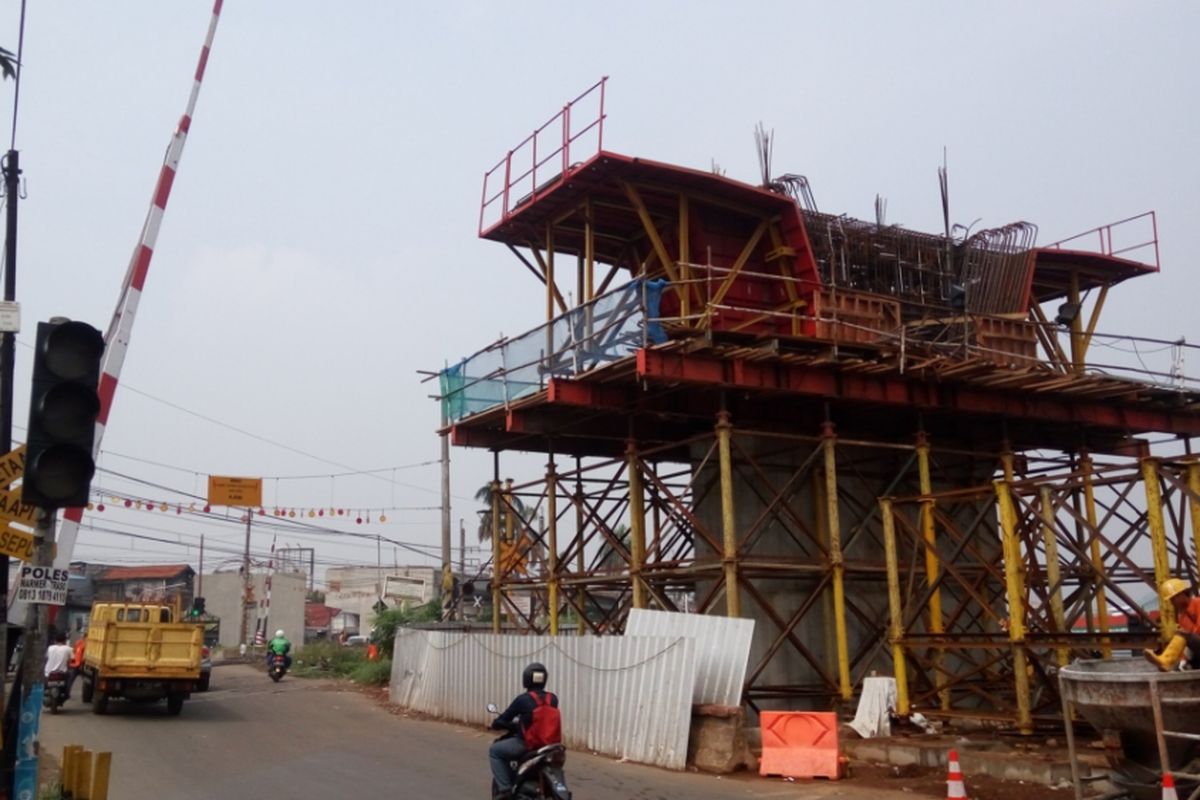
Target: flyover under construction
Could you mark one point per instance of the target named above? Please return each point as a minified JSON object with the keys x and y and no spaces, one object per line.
{"x":893,"y":449}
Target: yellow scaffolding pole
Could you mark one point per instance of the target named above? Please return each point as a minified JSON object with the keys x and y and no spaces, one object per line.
{"x":829,"y":442}
{"x":1053,"y":573}
{"x":497,"y":596}
{"x":1089,"y":499}
{"x":829,"y":646}
{"x":580,"y":564}
{"x":1193,"y":478}
{"x":1158,"y":543}
{"x":552,"y":544}
{"x":733,"y":593}
{"x":896,"y":611}
{"x":637,"y":526}
{"x":1013,"y":579}
{"x":932,"y":564}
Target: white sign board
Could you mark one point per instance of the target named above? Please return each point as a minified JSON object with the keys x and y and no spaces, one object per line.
{"x":10,"y":317}
{"x":404,"y":587}
{"x":45,"y":585}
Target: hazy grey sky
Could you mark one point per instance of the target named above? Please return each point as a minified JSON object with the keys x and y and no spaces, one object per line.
{"x":320,"y":245}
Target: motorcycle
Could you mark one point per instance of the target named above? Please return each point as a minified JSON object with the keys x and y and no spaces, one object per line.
{"x":55,"y":693}
{"x":277,"y":667}
{"x":539,"y":774}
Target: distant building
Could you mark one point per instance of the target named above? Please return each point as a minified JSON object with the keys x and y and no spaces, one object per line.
{"x":322,"y":622}
{"x":166,"y":583}
{"x":359,"y":591}
{"x":88,"y":583}
{"x":224,"y":594}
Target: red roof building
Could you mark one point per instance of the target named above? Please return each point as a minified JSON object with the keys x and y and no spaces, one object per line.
{"x":155,"y":583}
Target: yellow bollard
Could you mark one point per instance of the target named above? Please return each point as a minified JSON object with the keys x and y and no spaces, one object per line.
{"x":100,"y":776}
{"x":67,"y":774}
{"x":83,"y":779}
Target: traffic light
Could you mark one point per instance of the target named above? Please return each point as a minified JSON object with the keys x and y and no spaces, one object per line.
{"x":63,"y":407}
{"x":197,"y":607}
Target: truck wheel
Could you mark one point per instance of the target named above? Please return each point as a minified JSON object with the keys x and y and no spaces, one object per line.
{"x":174,"y":704}
{"x":100,"y":703}
{"x":88,"y":690}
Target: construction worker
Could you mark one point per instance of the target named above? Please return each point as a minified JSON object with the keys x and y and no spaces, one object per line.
{"x":1185,"y":644}
{"x":77,"y":660}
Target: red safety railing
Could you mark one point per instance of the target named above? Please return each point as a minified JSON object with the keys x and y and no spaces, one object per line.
{"x":528,"y":170}
{"x":1102,"y":239}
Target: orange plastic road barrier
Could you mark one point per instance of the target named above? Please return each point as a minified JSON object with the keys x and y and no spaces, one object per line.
{"x":955,"y":788}
{"x":800,"y":744}
{"x":1169,"y":792}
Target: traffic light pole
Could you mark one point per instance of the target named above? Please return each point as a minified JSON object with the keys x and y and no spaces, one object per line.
{"x":33,"y":665}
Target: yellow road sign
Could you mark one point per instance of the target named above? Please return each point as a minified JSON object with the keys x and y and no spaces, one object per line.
{"x":13,"y":510}
{"x":226,"y":491}
{"x":16,"y":543}
{"x":12,"y":466}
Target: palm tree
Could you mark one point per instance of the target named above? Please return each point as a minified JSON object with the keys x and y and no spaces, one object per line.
{"x":8,"y":64}
{"x":484,"y":496}
{"x":610,"y":557}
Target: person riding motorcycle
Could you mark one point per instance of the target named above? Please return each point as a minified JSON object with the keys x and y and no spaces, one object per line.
{"x":517,"y":718}
{"x":279,"y":646}
{"x":1185,"y":644}
{"x":58,"y":655}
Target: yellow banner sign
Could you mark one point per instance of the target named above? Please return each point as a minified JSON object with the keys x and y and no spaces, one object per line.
{"x":12,"y":466}
{"x":225,"y":491}
{"x":16,"y":543}
{"x":13,"y":510}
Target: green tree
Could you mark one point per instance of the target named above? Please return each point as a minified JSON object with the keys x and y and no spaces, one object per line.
{"x":389,"y":620}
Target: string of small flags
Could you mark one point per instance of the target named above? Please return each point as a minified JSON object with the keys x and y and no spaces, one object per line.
{"x":359,"y":516}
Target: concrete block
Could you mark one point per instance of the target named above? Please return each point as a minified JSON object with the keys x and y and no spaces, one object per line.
{"x":717,"y":741}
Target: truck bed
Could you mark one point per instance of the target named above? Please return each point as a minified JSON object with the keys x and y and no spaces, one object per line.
{"x":145,"y":649}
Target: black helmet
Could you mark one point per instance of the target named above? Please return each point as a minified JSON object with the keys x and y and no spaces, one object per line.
{"x":534,"y":676}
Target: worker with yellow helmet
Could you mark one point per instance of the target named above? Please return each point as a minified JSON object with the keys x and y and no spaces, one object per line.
{"x":1185,"y":644}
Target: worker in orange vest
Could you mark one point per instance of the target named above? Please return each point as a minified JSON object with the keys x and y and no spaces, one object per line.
{"x":1185,"y":644}
{"x":76,"y":663}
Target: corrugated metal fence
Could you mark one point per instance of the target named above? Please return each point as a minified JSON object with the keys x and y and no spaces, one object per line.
{"x":627,"y":696}
{"x":722,"y":649}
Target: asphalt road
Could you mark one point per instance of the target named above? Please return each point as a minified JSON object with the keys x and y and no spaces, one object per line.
{"x":300,"y":739}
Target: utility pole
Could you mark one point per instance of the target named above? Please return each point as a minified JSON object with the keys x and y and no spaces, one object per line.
{"x":246,"y":584}
{"x":33,"y":663}
{"x":447,"y":568}
{"x":12,"y":191}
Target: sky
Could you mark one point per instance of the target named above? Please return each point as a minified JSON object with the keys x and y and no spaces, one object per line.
{"x":320,"y":246}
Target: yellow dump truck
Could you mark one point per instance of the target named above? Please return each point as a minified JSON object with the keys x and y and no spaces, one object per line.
{"x":138,"y":651}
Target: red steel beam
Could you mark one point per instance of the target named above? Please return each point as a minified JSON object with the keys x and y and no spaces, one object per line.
{"x":586,"y":395}
{"x":896,"y":391}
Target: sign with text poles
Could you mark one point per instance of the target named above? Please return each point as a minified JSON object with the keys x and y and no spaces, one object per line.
{"x":45,"y":585}
{"x":227,"y":491}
